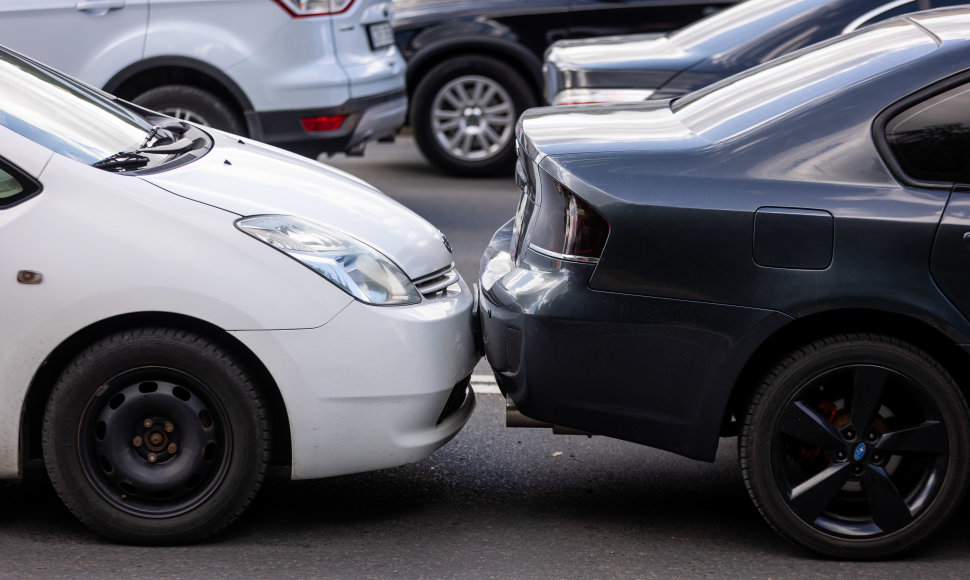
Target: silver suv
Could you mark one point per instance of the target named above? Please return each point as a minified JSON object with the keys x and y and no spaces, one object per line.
{"x":310,"y":76}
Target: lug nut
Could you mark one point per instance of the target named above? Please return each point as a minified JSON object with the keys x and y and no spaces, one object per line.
{"x":152,"y":458}
{"x":850,"y":434}
{"x":872,"y":436}
{"x":172,"y":448}
{"x":857,"y":470}
{"x":137,"y":442}
{"x":840,"y":455}
{"x":876,"y":457}
{"x":169,"y":427}
{"x":147,"y":423}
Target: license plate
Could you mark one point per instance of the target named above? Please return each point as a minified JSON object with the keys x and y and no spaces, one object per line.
{"x":380,"y":34}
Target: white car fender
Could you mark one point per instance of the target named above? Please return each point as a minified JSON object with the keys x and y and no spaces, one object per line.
{"x":211,"y":271}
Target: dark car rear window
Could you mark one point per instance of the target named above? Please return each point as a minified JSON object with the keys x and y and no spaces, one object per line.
{"x":931,"y":140}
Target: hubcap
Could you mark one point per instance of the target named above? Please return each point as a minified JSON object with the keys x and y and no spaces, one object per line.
{"x":153,"y":443}
{"x":860,"y":451}
{"x":472,"y":118}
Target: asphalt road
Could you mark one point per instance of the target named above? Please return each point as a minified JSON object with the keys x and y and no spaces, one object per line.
{"x":493,"y":503}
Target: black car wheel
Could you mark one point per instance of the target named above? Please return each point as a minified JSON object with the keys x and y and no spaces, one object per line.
{"x":855,"y":446}
{"x":463,"y":114}
{"x":192,"y":104}
{"x":156,"y":436}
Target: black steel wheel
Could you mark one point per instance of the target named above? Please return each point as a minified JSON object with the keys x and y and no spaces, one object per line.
{"x":463,"y":114}
{"x":856,"y":446}
{"x":192,"y":104}
{"x":156,"y":436}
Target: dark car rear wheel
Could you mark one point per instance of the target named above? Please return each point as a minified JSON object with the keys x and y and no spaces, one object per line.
{"x":463,"y":114}
{"x":855,"y":446}
{"x":156,"y":436}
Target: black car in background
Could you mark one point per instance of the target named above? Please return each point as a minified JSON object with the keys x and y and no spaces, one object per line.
{"x":781,"y":256}
{"x":636,"y":67}
{"x":474,"y":66}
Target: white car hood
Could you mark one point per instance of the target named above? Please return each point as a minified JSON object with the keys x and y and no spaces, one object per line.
{"x":248,"y":178}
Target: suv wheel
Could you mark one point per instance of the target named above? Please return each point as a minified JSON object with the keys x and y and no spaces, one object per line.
{"x":192,"y":104}
{"x":463,"y":115}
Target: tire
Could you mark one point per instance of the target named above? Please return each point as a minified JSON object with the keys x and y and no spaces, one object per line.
{"x":156,"y":436}
{"x":855,"y":446}
{"x":463,"y":115}
{"x":192,"y":104}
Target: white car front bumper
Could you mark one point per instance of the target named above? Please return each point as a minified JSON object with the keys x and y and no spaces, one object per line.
{"x":368,"y":389}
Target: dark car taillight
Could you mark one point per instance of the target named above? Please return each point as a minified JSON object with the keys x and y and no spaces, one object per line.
{"x":566,"y":226}
{"x":301,"y":8}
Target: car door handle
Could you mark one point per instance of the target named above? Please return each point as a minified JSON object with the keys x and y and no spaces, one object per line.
{"x":99,"y":6}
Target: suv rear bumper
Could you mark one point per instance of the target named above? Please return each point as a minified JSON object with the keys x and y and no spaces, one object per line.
{"x":368,"y":118}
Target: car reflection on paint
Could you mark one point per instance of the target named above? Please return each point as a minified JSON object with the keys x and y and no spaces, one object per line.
{"x":641,"y":66}
{"x":780,"y":256}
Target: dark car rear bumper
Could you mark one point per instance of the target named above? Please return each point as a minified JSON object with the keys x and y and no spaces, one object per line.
{"x":650,"y":370}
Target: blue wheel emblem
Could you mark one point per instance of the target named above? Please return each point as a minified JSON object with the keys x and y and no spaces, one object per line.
{"x":860,"y":452}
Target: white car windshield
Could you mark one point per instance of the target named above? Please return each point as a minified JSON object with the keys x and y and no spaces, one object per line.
{"x":64,"y":115}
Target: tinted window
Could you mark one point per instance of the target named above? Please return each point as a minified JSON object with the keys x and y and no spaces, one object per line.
{"x":931,"y":140}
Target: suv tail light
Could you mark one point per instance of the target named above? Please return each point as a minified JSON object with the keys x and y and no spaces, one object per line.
{"x":301,"y":8}
{"x":566,"y":226}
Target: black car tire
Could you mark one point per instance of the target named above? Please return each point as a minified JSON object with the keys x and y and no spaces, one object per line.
{"x":192,"y":104}
{"x":156,"y":436}
{"x":484,"y":131}
{"x":847,"y":491}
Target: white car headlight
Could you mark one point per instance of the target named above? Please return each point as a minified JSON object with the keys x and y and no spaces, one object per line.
{"x":588,"y":96}
{"x":352,"y":265}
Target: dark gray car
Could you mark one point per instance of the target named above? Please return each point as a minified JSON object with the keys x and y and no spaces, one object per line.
{"x":781,"y":256}
{"x":636,"y":67}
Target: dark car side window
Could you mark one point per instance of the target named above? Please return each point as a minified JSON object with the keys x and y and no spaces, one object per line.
{"x":931,"y":140}
{"x":15,"y":186}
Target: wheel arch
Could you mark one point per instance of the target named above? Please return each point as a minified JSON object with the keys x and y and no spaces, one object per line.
{"x":505,"y":51}
{"x":46,"y":376}
{"x":804,"y":330}
{"x":168,"y":70}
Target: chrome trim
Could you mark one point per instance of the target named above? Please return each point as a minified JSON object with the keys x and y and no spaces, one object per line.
{"x":438,"y":284}
{"x":567,"y":257}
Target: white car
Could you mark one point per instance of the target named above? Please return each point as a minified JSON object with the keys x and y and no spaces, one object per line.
{"x":181,"y":304}
{"x":310,"y":76}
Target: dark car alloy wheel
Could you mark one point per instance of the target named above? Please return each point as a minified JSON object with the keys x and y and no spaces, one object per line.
{"x":156,"y":436}
{"x":464,"y":112}
{"x":856,"y":446}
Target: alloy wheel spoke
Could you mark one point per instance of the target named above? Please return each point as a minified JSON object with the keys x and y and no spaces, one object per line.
{"x":477,"y":91}
{"x":453,"y":99}
{"x":491,"y":135}
{"x":803,"y":423}
{"x":889,"y":510}
{"x":928,"y":438}
{"x":809,"y":498}
{"x":868,"y":385}
{"x":462,"y":95}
